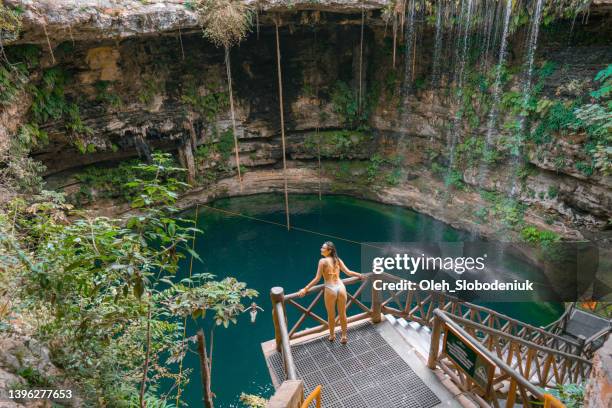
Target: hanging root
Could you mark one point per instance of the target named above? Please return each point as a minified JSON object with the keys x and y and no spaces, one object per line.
{"x":231,"y":99}
{"x":49,"y":43}
{"x":181,"y":42}
{"x":70,"y":33}
{"x":225,"y":22}
{"x":361,"y":56}
{"x":282,"y":118}
{"x":257,"y":21}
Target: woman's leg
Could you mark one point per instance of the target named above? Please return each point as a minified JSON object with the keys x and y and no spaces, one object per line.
{"x":342,"y":312}
{"x":330,"y":304}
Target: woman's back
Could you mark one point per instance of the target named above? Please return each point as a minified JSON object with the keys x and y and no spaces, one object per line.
{"x":330,"y":269}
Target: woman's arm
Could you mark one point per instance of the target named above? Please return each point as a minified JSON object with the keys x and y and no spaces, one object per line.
{"x":313,"y":282}
{"x":346,"y":270}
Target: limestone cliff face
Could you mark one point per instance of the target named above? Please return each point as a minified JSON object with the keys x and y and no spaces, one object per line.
{"x":112,"y":19}
{"x":144,"y":78}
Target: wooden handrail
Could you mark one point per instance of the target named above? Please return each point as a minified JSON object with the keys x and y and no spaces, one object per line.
{"x":519,"y":340}
{"x":307,"y":311}
{"x":519,"y":386}
{"x":316,"y":393}
{"x":321,"y":286}
{"x":445,"y":319}
{"x":490,"y":312}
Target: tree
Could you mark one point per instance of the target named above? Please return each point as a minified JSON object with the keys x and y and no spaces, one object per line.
{"x":97,"y":289}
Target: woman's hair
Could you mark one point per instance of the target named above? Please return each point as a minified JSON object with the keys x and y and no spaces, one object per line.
{"x":333,"y":252}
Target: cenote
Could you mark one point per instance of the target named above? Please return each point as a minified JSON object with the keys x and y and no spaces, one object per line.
{"x":265,"y":254}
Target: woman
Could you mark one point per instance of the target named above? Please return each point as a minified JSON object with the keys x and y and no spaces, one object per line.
{"x":335,"y":292}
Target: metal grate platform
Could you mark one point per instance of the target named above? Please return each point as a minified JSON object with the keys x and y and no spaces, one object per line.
{"x":365,"y":373}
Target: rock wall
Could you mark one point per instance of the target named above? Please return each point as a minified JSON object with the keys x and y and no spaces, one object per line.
{"x":154,"y":87}
{"x":598,"y":392}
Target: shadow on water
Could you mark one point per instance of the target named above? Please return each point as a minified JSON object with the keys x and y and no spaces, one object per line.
{"x":264,"y":255}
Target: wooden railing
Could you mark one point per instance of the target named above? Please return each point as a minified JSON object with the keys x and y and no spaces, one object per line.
{"x":307,"y":312}
{"x":526,"y":357}
{"x":509,"y":383}
{"x":314,"y":395}
{"x":541,"y":365}
{"x":418,"y":306}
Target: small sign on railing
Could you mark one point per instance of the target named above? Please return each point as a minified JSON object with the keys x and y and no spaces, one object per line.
{"x":471,"y":361}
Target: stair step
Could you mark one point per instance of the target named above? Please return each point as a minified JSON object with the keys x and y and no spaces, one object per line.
{"x":416,"y":326}
{"x":391,"y":319}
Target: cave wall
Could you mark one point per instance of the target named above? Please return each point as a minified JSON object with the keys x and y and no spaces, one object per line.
{"x":148,"y":80}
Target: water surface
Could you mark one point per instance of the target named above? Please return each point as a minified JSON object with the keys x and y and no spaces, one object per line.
{"x":265,"y":254}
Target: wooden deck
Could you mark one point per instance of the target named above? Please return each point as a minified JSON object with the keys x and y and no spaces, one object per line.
{"x":376,"y":368}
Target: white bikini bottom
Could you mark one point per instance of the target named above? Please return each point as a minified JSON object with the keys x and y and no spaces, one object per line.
{"x":334,"y":287}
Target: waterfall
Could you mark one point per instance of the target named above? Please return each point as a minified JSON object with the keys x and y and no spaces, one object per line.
{"x":494,"y":111}
{"x":531,"y":50}
{"x":465,"y":42}
{"x":409,"y":48}
{"x":464,"y":30}
{"x":532,"y":43}
{"x":489,"y":24}
{"x":435,"y":72}
{"x":498,"y":72}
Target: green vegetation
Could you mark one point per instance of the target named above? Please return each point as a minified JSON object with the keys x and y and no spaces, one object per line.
{"x":572,"y":395}
{"x":106,"y":182}
{"x":384,"y":170}
{"x":207,"y":102}
{"x":473,"y":151}
{"x":10,"y":21}
{"x":338,"y":143}
{"x":150,"y":87}
{"x":345,"y":103}
{"x":105,"y":95}
{"x":34,"y":378}
{"x":507,"y":210}
{"x":559,"y":118}
{"x":535,"y":236}
{"x":102,"y":293}
{"x":49,"y":103}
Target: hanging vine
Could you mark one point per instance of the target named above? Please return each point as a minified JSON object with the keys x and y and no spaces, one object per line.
{"x":282,"y":118}
{"x":361,"y":56}
{"x":317,"y":134}
{"x":226,"y":23}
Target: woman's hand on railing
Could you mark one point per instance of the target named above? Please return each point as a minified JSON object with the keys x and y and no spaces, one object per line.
{"x":302,"y":292}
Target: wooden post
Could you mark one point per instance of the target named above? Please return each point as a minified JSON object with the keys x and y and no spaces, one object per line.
{"x":376,"y":313}
{"x":435,"y":342}
{"x":205,"y":371}
{"x":277,"y":294}
{"x":511,"y":394}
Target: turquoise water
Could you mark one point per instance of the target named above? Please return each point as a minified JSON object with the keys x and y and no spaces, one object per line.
{"x":265,"y":255}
